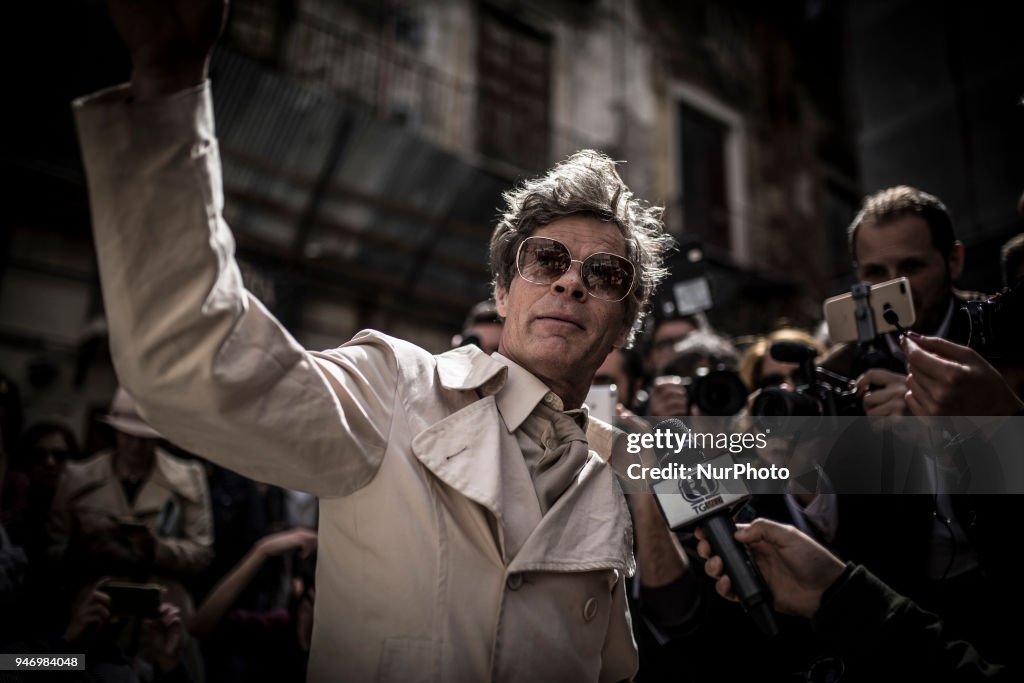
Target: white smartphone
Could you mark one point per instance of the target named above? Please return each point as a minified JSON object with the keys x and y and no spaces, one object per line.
{"x":840,"y":311}
{"x":601,"y":400}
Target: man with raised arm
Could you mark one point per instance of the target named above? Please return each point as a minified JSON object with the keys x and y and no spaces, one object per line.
{"x":471,"y":527}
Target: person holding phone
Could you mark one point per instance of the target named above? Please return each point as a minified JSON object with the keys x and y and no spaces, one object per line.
{"x":136,"y":510}
{"x":94,"y":630}
{"x":903,"y":232}
{"x":946,"y":551}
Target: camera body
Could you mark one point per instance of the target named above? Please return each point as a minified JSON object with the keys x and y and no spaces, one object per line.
{"x":996,"y":325}
{"x":815,"y":398}
{"x":716,"y":391}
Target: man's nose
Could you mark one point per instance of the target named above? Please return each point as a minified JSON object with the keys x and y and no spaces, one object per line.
{"x":571,"y":281}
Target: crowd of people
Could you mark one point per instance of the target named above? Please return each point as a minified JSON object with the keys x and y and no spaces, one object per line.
{"x":378,"y":512}
{"x":154,"y":564}
{"x":234,"y":559}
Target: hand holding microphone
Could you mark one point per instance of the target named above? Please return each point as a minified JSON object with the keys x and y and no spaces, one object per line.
{"x":708,"y":505}
{"x":796,"y":569}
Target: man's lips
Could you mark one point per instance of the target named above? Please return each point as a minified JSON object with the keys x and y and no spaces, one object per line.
{"x":555,"y":317}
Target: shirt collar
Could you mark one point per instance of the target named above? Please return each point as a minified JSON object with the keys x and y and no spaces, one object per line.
{"x":520,"y":395}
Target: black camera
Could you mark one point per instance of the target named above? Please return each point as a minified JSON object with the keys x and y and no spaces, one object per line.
{"x":716,"y":391}
{"x":814,"y":398}
{"x":996,"y":325}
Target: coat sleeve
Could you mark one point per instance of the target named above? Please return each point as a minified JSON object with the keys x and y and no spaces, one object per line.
{"x":209,"y":366}
{"x":874,"y":626}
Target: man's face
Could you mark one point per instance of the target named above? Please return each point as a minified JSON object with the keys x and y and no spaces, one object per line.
{"x":134,"y":448}
{"x":559,"y":332}
{"x":903,"y":248}
{"x":667,"y":334}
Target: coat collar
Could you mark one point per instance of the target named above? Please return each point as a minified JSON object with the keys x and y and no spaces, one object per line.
{"x":588,"y":528}
{"x":169,"y":474}
{"x":467,"y":368}
{"x":516,"y":391}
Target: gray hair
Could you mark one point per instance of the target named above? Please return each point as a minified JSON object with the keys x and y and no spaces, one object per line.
{"x":699,"y":346}
{"x":585,"y":183}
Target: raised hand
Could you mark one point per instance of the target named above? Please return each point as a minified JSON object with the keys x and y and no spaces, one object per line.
{"x":170,"y":41}
{"x":297,"y":539}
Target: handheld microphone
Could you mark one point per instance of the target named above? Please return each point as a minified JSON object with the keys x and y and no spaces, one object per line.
{"x":697,"y":500}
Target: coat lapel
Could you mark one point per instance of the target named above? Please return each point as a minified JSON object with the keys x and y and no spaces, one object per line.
{"x":588,"y":528}
{"x":473,"y":453}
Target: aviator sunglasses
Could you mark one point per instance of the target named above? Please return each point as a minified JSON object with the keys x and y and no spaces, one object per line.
{"x":542,"y":260}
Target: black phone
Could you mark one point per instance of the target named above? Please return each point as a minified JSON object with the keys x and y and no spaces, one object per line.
{"x":133,"y":599}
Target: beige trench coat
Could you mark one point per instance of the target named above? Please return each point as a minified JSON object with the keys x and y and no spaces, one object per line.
{"x":175,"y":495}
{"x":405,"y":450}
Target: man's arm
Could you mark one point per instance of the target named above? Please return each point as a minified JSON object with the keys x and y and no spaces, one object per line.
{"x":670,"y":593}
{"x":227,"y":590}
{"x":864,"y":618}
{"x":208,"y":365}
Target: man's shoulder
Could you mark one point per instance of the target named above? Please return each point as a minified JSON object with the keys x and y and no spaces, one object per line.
{"x":94,"y":467}
{"x":963,"y":296}
{"x":388,"y":353}
{"x":80,"y":477}
{"x":374,"y":338}
{"x":187,"y":477}
{"x":464,"y":368}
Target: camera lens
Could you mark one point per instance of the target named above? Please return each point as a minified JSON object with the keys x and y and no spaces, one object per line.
{"x":719,"y":392}
{"x":776,"y":402}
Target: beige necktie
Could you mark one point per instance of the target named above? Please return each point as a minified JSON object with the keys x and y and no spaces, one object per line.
{"x":565,"y":453}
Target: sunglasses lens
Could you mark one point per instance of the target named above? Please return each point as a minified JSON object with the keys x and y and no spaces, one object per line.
{"x":542,"y":261}
{"x":608,"y":276}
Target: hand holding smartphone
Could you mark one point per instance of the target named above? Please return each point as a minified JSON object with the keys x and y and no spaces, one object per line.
{"x":841,"y":311}
{"x":132,"y":599}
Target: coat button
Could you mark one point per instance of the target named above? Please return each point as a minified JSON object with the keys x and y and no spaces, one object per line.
{"x":590,"y":609}
{"x":514,"y":582}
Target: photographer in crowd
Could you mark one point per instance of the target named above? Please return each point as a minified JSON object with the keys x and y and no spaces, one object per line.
{"x":947,"y":552}
{"x":698,"y":378}
{"x":903,"y":232}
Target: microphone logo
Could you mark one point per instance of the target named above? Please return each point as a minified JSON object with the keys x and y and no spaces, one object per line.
{"x":697,"y":489}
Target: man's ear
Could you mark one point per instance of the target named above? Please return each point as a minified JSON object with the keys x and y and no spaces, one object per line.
{"x":501,"y":300}
{"x":956,"y":260}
